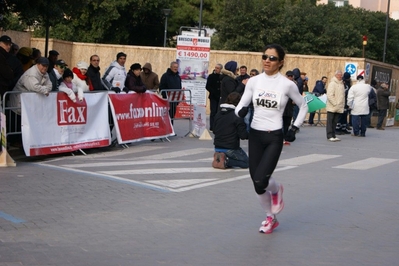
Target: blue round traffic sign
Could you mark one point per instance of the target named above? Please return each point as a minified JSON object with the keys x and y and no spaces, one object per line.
{"x":350,"y":68}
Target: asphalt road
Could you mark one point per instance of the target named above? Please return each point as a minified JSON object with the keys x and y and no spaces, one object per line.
{"x":161,"y":203}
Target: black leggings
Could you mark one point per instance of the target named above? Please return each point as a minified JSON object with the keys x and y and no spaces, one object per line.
{"x":264,"y":151}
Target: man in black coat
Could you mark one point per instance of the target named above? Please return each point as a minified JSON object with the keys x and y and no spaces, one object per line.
{"x":213,"y":87}
{"x":6,"y":73}
{"x":171,"y":80}
{"x":93,"y":72}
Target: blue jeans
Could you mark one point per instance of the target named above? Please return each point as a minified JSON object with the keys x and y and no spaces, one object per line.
{"x":237,"y":158}
{"x":359,"y":123}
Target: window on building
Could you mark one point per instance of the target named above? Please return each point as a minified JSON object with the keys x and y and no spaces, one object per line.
{"x":339,"y":3}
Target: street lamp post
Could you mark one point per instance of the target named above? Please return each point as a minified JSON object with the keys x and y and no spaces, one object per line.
{"x":386,"y":32}
{"x":200,"y":19}
{"x":166,"y":12}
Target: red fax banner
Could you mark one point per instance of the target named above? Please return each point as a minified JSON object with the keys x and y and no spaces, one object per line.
{"x":55,"y":124}
{"x":140,"y":116}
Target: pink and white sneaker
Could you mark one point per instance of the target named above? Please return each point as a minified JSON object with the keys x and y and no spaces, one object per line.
{"x":268,"y":225}
{"x":277,"y":201}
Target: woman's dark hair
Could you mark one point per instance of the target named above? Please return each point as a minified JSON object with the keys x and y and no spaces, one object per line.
{"x":233,"y":98}
{"x":279,"y":49}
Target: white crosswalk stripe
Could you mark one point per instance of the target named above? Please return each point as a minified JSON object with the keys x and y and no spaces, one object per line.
{"x":311,"y":158}
{"x":170,"y":171}
{"x":184,"y":164}
{"x":129,"y":162}
{"x":366,"y":164}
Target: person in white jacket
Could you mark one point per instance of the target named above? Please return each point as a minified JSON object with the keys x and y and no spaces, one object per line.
{"x":68,"y":87}
{"x":358,"y":102}
{"x":115,"y":76}
{"x":80,"y":79}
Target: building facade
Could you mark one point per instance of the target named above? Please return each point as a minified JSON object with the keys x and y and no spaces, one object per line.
{"x":372,"y":5}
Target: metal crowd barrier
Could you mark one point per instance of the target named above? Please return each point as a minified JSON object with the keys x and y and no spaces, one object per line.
{"x":12,"y":117}
{"x":175,"y":97}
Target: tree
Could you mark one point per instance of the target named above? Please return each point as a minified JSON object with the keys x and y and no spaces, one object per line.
{"x":303,"y":27}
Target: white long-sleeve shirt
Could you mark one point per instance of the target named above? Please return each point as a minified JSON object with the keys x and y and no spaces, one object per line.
{"x":269,"y":95}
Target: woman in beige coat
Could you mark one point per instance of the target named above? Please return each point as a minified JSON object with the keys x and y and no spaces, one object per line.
{"x":335,"y":104}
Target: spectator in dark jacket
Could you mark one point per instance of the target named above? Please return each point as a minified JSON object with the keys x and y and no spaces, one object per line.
{"x":299,"y":83}
{"x":52,"y":58}
{"x":6,"y":74}
{"x":170,"y":80}
{"x":318,"y":90}
{"x":213,"y":87}
{"x":228,"y":83}
{"x":149,"y":78}
{"x":133,"y":80}
{"x":56,"y":74}
{"x":372,"y":102}
{"x":16,"y":67}
{"x":383,"y":94}
{"x":243,"y":74}
{"x":288,"y":110}
{"x":228,"y":130}
{"x":93,"y":72}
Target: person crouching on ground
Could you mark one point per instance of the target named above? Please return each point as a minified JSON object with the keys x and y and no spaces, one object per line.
{"x":70,"y":88}
{"x":228,"y":130}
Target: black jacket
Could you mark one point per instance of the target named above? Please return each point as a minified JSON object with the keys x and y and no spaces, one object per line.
{"x":95,"y":78}
{"x":213,"y":86}
{"x":56,"y":82}
{"x":319,"y":88}
{"x":17,"y":70}
{"x":229,"y":84}
{"x":298,"y":79}
{"x":228,"y":128}
{"x":170,"y":81}
{"x":6,"y":74}
{"x":134,"y":83}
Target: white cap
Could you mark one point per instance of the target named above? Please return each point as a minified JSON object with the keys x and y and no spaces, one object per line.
{"x":82,"y":65}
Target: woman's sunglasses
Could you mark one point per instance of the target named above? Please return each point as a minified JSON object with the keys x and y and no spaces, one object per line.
{"x":271,"y":57}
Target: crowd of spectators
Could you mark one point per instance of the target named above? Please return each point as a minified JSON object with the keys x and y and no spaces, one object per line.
{"x":24,"y":69}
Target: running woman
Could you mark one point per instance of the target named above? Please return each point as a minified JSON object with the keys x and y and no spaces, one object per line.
{"x":269,"y":93}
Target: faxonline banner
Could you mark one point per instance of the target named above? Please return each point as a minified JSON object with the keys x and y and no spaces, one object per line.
{"x":140,"y":116}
